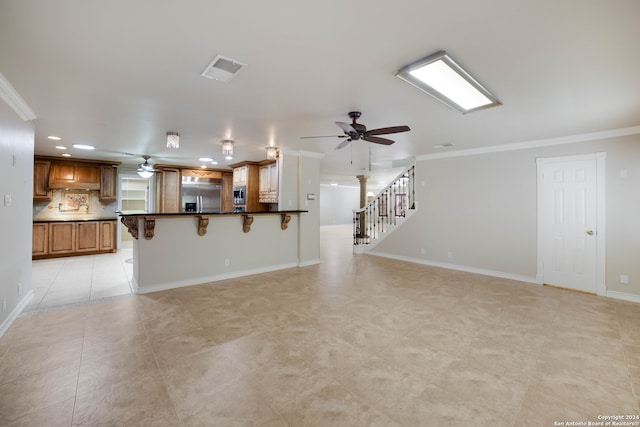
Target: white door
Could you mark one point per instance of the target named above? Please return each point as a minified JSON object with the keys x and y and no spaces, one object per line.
{"x":569,"y":217}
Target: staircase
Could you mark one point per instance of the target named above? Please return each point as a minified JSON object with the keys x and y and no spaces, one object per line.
{"x":387,"y":211}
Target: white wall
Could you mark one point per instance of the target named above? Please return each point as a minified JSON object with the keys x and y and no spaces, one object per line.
{"x":16,"y":181}
{"x":482,"y":209}
{"x":337,"y":204}
{"x":177,"y":256}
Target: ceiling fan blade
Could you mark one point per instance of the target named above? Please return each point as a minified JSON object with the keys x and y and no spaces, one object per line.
{"x":378,"y":140}
{"x":324,"y":136}
{"x":346,"y":127}
{"x":385,"y":131}
{"x":343,"y":144}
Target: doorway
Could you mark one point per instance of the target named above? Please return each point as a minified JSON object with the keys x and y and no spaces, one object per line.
{"x":134,"y":197}
{"x":571,"y":226}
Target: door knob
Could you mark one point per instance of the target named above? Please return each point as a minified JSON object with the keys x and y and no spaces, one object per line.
{"x":590,"y":232}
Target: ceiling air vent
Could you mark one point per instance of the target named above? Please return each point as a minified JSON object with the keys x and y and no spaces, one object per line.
{"x":222,"y":69}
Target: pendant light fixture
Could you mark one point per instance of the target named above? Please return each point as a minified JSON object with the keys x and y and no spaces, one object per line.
{"x":272,"y":152}
{"x":173,"y":140}
{"x":227,"y":147}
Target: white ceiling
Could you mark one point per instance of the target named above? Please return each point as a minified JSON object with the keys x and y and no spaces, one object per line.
{"x":120,"y":74}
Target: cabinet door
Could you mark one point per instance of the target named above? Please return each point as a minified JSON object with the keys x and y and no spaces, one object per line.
{"x":87,"y":237}
{"x":40,"y":239}
{"x":62,"y":175}
{"x":168,"y":187}
{"x":227,"y":193}
{"x":108,"y":178}
{"x":41,"y":180}
{"x":264,"y":179}
{"x":88,"y":177}
{"x":62,"y":237}
{"x":273,"y":179}
{"x":108,"y":236}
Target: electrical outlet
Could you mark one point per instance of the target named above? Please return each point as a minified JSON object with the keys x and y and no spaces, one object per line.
{"x":450,"y":255}
{"x":226,"y":262}
{"x":19,"y":289}
{"x":7,"y":200}
{"x":624,"y":279}
{"x":423,"y":251}
{"x":4,"y":304}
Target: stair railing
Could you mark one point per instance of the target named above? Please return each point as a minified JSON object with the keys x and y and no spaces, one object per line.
{"x":385,"y":208}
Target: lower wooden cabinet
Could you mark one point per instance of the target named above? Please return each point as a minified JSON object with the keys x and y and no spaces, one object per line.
{"x":70,"y":238}
{"x":40,"y":239}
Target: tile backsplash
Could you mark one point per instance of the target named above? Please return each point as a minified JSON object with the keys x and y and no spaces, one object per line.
{"x":74,"y":204}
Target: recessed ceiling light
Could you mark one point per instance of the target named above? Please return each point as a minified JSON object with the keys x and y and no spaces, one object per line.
{"x":84,"y":147}
{"x":55,"y":138}
{"x":205,"y":159}
{"x":334,"y":184}
{"x":439,"y":76}
{"x":66,"y":155}
{"x":229,"y":157}
{"x":214,"y":162}
{"x":61,"y":147}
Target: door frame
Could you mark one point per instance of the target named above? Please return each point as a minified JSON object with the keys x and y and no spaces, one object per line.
{"x":600,"y":158}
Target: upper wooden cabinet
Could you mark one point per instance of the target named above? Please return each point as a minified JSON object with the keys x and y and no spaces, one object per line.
{"x":269,"y":183}
{"x":168,"y":185}
{"x":74,"y":175}
{"x":108,"y":183}
{"x":41,"y":189}
{"x":240,"y":175}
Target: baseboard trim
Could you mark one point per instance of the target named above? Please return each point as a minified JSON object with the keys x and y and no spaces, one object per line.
{"x":308,"y":263}
{"x":466,"y":269}
{"x":16,"y":312}
{"x":623,"y":296}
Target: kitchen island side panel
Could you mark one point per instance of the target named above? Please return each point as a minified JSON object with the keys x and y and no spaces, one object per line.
{"x":177,"y":256}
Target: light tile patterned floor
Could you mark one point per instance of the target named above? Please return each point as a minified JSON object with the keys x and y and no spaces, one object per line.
{"x":355,"y":341}
{"x":65,"y":281}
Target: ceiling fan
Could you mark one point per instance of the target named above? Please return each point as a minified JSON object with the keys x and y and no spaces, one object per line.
{"x":356,"y":131}
{"x":145,"y":169}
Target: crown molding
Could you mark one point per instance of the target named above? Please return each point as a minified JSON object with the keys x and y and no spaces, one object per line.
{"x":570,"y":139}
{"x":14,"y":100}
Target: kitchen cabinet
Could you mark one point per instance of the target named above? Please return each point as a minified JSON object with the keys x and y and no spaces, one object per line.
{"x":247,"y":174}
{"x":108,"y":183}
{"x":70,"y":238}
{"x":107,"y":236}
{"x":168,"y":184}
{"x":78,"y":176}
{"x":240,"y":175}
{"x":226,"y":194}
{"x":62,"y":238}
{"x":40,"y":239}
{"x":269,"y":183}
{"x":41,"y":189}
{"x":87,"y":236}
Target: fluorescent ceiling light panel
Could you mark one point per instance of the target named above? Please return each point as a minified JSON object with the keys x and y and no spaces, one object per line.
{"x":84,"y":147}
{"x":439,"y":76}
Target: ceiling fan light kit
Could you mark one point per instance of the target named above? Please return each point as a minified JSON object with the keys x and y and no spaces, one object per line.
{"x":441,"y":77}
{"x":145,"y":170}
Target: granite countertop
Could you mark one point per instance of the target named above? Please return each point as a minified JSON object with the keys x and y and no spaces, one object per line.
{"x":170,"y":214}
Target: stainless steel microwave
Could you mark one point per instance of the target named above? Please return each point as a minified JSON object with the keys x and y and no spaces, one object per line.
{"x":239,"y":195}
